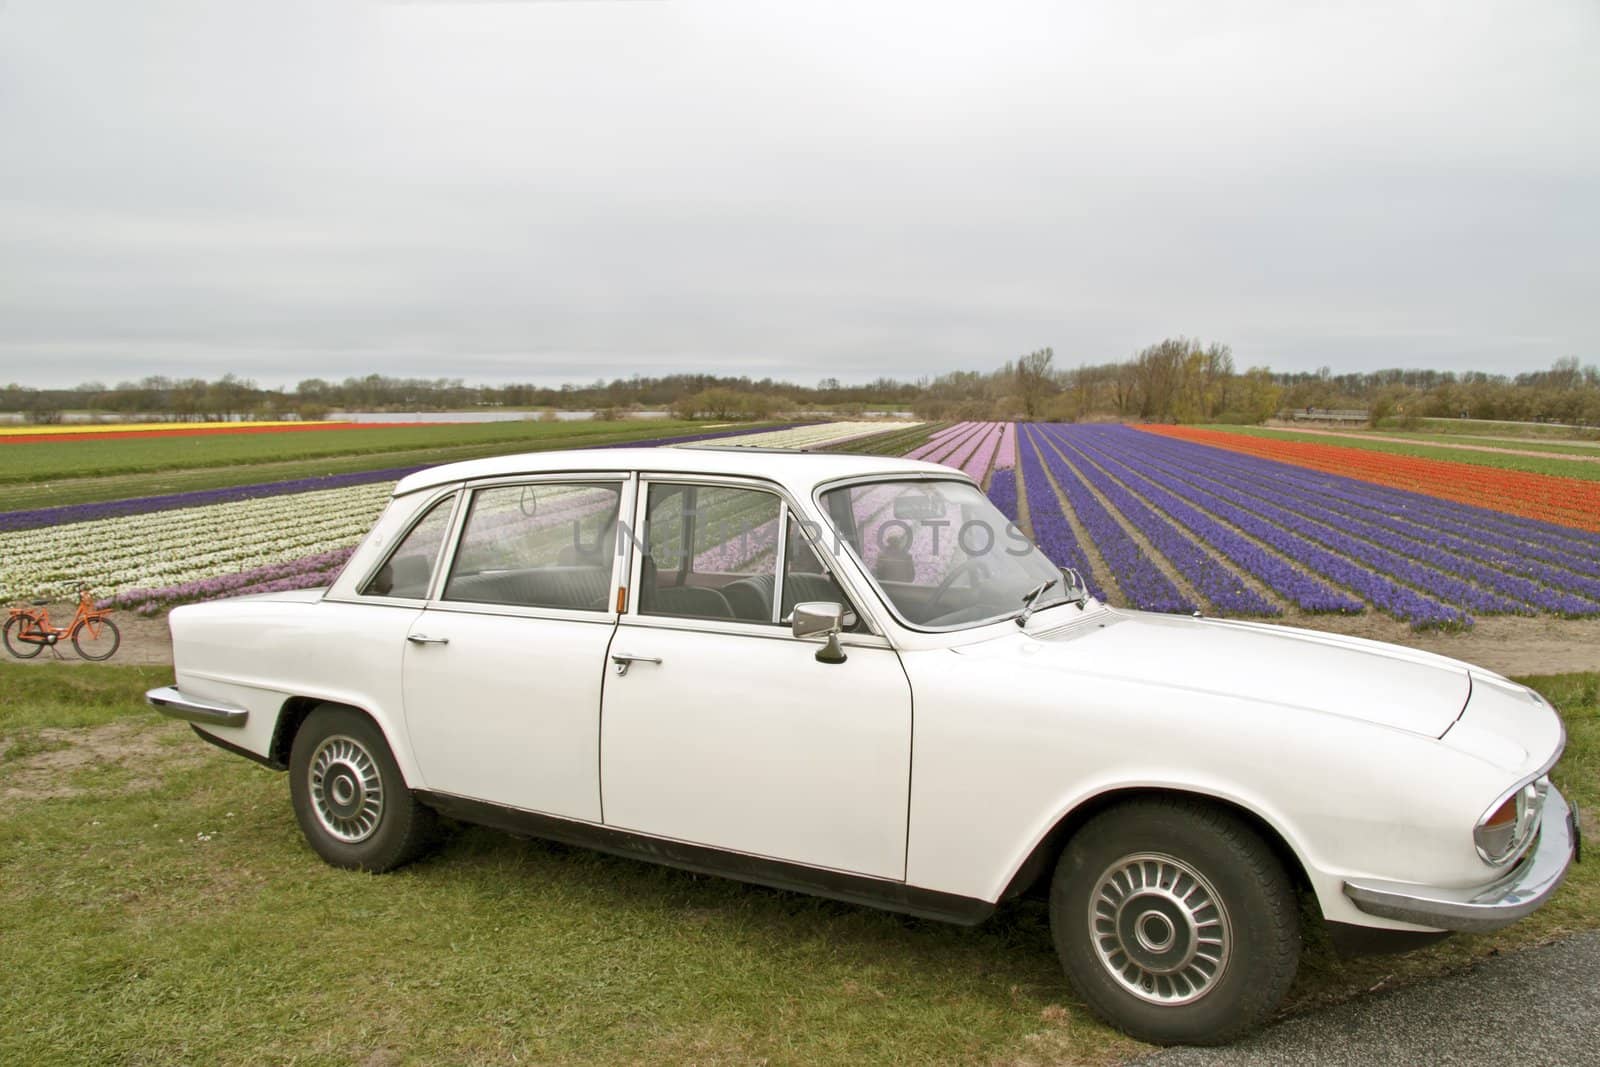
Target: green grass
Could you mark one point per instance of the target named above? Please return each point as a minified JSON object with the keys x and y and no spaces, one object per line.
{"x":202,"y":473}
{"x":1552,"y":465}
{"x":39,"y":461}
{"x":1496,"y":427}
{"x":1524,"y":444}
{"x":890,"y":442}
{"x":166,"y":910}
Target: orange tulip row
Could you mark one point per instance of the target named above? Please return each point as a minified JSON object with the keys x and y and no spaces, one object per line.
{"x":1566,"y":501}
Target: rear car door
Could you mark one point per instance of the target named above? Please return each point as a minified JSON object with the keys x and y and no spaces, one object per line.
{"x":502,"y":669}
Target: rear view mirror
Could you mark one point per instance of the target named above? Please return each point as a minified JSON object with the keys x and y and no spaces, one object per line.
{"x":919,"y":505}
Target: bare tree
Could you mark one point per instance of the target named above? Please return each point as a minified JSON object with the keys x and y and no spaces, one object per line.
{"x":1034,"y":381}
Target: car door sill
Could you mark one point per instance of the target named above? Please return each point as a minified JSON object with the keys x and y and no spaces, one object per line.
{"x":777,"y":874}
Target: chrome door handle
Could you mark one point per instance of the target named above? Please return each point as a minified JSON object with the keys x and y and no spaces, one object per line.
{"x":623,"y":659}
{"x":424,"y":639}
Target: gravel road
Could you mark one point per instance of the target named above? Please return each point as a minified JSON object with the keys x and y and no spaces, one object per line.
{"x":1535,"y":1007}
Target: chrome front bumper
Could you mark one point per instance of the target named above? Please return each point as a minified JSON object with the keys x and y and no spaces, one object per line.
{"x":169,"y":701}
{"x":1523,"y":889}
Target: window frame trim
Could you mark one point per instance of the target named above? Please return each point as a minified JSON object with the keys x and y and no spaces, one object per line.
{"x":358,"y":592}
{"x":636,"y":549}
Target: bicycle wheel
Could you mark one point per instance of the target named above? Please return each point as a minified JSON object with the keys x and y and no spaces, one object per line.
{"x":103,"y":639}
{"x":14,"y":642}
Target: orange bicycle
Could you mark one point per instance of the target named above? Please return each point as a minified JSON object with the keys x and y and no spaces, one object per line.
{"x":28,"y":632}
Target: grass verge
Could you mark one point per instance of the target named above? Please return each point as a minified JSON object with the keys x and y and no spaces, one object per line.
{"x":37,"y":461}
{"x":160,"y":906}
{"x":77,"y":483}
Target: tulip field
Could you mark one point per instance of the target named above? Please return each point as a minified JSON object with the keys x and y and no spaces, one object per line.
{"x":153,"y":552}
{"x":1164,"y":521}
{"x":1163,"y":518}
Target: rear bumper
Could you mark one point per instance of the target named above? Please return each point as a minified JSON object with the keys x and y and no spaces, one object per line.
{"x":1522,"y":891}
{"x":169,"y":701}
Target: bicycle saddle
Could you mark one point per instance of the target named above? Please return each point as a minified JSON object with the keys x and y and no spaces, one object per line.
{"x":39,"y":603}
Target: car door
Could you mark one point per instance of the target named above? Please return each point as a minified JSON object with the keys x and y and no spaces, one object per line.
{"x":726,"y":731}
{"x":503,"y":667}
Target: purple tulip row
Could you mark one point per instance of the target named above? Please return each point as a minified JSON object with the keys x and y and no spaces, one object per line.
{"x":1484,"y":579}
{"x":1051,"y":531}
{"x":1556,"y":555}
{"x":1339,"y":558}
{"x":1003,"y":492}
{"x":1210,"y":576}
{"x":1305,"y":591}
{"x":305,"y":573}
{"x":1141,"y":581}
{"x":35,"y":518}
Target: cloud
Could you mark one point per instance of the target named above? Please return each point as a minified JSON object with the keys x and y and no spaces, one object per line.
{"x":550,"y":191}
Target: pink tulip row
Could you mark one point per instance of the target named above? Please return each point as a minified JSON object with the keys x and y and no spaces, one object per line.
{"x":972,"y":448}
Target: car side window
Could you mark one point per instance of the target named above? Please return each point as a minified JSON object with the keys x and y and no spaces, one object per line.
{"x":409,"y":569}
{"x":540,"y":545}
{"x":710,"y":552}
{"x":805,"y":579}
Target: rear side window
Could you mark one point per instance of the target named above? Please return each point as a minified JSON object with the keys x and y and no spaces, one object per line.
{"x":541,"y":545}
{"x":409,"y":569}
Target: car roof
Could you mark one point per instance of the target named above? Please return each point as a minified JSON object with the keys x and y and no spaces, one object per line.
{"x":798,"y":470}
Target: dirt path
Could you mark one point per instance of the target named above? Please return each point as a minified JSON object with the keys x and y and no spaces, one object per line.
{"x":1506,"y":644}
{"x":1449,"y":444}
{"x":144,"y":640}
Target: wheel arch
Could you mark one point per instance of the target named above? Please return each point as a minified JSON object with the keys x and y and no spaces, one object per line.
{"x":294,"y":711}
{"x":1034,"y":870}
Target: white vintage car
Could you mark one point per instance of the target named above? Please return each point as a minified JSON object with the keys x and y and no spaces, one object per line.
{"x":851,"y":676}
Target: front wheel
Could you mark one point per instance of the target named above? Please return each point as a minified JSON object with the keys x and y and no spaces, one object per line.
{"x":349,"y":797}
{"x":97,"y":639}
{"x":13,"y":638}
{"x":1175,"y":922}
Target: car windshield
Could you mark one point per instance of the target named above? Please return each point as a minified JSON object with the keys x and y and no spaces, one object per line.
{"x":941,"y":553}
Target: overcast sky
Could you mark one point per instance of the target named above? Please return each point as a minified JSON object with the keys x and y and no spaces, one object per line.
{"x":550,"y":191}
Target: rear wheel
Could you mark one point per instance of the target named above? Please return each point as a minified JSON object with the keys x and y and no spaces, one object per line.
{"x":14,"y":643}
{"x":97,"y":639}
{"x":1175,"y":921}
{"x":349,"y":797}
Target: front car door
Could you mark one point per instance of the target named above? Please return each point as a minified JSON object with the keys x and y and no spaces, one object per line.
{"x":502,"y":669}
{"x":724,"y":730}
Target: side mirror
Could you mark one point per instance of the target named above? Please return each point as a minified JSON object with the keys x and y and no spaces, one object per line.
{"x":820,"y":617}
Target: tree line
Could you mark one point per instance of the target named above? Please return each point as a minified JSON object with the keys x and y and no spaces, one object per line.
{"x":1178,"y":379}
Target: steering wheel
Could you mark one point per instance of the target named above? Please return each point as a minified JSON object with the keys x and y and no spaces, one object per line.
{"x":971,"y":566}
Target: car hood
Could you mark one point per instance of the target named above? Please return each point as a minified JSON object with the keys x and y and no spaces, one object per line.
{"x":1388,"y":685}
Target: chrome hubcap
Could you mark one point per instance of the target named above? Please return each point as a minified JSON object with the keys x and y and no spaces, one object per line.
{"x":346,"y":791}
{"x":1159,"y":928}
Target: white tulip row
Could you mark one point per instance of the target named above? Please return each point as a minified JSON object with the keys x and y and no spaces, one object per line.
{"x":163,"y":548}
{"x":166,"y":548}
{"x":826,"y":433}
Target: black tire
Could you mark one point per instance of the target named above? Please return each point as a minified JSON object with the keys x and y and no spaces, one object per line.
{"x":16,"y":645}
{"x":101,"y":647}
{"x":1251,"y":925}
{"x":349,"y":796}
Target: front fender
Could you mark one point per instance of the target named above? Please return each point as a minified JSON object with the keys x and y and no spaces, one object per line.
{"x":1350,"y":799}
